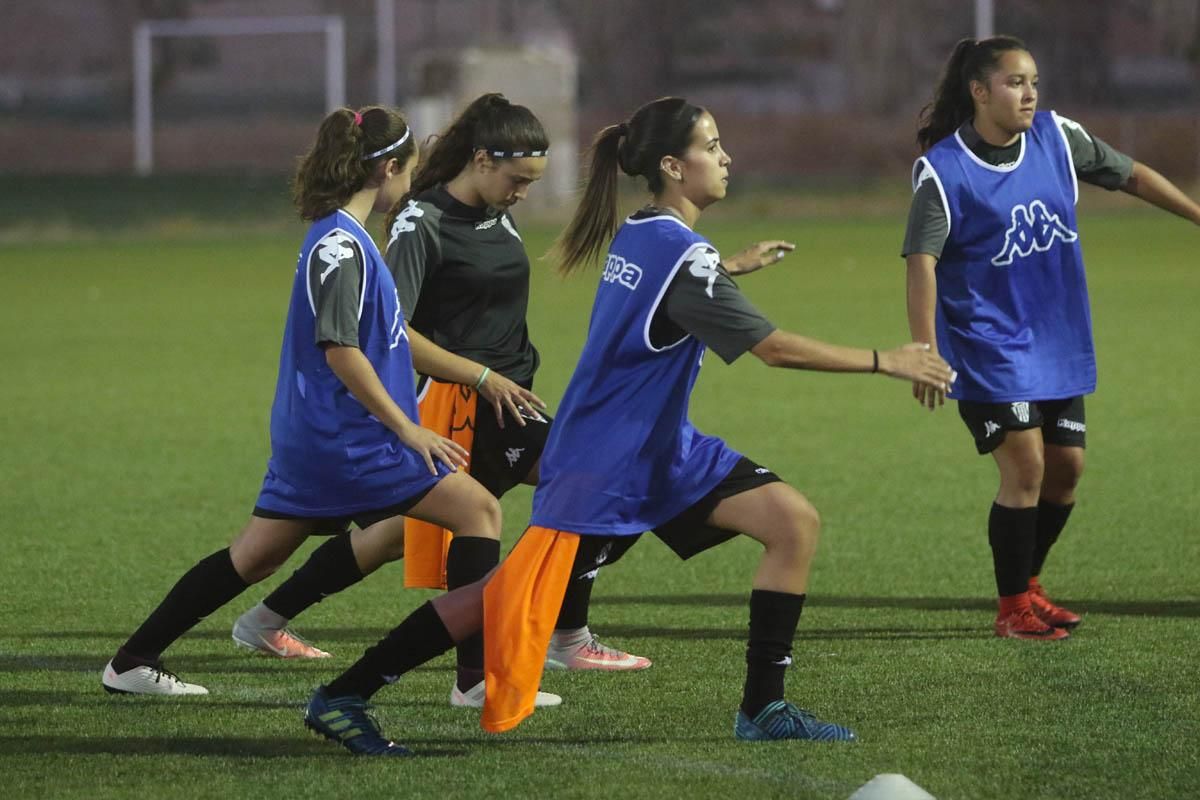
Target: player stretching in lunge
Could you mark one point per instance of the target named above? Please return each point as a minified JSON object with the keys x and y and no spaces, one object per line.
{"x":463,"y":277}
{"x":996,"y":282}
{"x":345,"y":445}
{"x":622,"y":457}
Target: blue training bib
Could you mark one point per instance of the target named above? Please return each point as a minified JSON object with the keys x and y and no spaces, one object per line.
{"x":1012,"y":304}
{"x":622,"y":457}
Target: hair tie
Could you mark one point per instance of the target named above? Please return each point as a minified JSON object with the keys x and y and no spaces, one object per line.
{"x":358,"y":119}
{"x":623,"y":129}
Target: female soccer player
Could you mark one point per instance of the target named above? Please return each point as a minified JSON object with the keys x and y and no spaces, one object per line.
{"x":622,"y":457}
{"x":996,"y":284}
{"x":463,"y":277}
{"x":345,"y":445}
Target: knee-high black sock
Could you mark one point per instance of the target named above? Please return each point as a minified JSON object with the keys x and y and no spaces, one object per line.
{"x":330,"y":569}
{"x":469,"y":559}
{"x":204,"y":588}
{"x":773,"y":620}
{"x":419,"y":638}
{"x":1052,"y":518}
{"x":574,"y":612}
{"x":1011,"y":533}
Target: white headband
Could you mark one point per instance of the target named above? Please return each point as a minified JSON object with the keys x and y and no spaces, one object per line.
{"x":515,"y":153}
{"x":390,"y":147}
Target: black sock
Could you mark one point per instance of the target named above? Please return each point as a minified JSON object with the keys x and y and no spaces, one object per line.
{"x":1052,"y":518}
{"x":1011,"y":533}
{"x":773,"y":620}
{"x":469,"y":559}
{"x":204,"y":588}
{"x":574,"y":612}
{"x":330,"y":569}
{"x":420,"y":637}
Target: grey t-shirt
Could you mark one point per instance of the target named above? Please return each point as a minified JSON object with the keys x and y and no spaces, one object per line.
{"x":702,"y":300}
{"x":335,"y":279}
{"x":1095,"y":162}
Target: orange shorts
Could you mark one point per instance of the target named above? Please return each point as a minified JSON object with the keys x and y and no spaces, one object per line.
{"x":447,"y":409}
{"x":520,"y":608}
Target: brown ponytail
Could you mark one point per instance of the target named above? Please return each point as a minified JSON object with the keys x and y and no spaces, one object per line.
{"x":660,"y":128}
{"x":952,"y":104}
{"x":336,"y":167}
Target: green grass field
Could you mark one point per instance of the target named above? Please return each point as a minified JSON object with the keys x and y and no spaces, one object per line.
{"x":138,"y":375}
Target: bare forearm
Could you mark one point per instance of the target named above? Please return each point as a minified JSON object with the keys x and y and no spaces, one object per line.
{"x":430,"y":359}
{"x":1155,"y":189}
{"x":922,"y":298}
{"x":355,"y":371}
{"x":792,"y":351}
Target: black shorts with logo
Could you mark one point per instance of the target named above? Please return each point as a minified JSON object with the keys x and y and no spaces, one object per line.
{"x":501,"y":458}
{"x":1062,"y":421}
{"x":687,"y":533}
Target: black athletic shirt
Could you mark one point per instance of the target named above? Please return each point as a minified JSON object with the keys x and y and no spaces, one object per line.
{"x":463,"y":278}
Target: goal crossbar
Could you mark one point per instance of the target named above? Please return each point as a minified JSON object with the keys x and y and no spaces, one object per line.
{"x":144,"y":33}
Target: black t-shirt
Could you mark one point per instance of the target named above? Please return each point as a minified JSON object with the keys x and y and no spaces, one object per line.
{"x":463,"y":278}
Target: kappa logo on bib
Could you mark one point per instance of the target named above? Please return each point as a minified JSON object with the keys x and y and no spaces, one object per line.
{"x":1033,"y":228}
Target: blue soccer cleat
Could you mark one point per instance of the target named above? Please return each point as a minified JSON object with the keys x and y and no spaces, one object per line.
{"x":346,"y":720}
{"x":782,"y":720}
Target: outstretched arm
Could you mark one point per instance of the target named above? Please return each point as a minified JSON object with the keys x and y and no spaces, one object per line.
{"x":1155,"y":189}
{"x":914,"y":362}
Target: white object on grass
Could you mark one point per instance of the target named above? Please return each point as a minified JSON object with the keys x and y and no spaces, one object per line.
{"x":891,"y":786}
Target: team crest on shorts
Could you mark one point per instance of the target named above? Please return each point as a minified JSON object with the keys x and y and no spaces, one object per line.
{"x":1021,"y":411}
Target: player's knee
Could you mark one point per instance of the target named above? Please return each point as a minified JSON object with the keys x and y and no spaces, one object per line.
{"x":1026,"y":475}
{"x":799,"y":527}
{"x":254,"y":571}
{"x":485,"y":516}
{"x":392,"y":548}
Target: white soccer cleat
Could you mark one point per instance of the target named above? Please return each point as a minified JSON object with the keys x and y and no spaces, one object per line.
{"x":473,"y":697}
{"x":591,"y":654}
{"x":279,"y":642}
{"x":146,"y":680}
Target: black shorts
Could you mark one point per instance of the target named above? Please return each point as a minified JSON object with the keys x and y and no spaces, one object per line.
{"x":502,"y":458}
{"x":688,"y":533}
{"x":332,"y":526}
{"x":1062,"y":421}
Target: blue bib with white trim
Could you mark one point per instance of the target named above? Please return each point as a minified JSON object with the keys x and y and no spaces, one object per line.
{"x":1012,"y":304}
{"x":329,"y":456}
{"x":622,"y":456}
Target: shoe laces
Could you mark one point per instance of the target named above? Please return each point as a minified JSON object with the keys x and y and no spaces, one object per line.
{"x":161,"y":672}
{"x":1027,"y":620}
{"x":800,"y":716}
{"x":595,"y":647}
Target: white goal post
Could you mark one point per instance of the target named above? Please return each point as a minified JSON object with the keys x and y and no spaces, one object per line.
{"x":144,"y":33}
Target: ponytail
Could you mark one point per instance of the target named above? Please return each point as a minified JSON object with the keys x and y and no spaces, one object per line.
{"x":952,"y":104}
{"x":349,"y":148}
{"x":659,"y":128}
{"x":595,"y":219}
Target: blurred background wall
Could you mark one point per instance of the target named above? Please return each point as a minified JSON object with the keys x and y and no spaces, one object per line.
{"x":802,"y":89}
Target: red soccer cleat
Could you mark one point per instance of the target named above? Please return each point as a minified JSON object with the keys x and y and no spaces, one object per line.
{"x":1026,"y":625}
{"x":1047,"y":612}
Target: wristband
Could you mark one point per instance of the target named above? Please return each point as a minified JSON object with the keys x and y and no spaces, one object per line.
{"x":482,"y":377}
{"x":875,"y":366}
